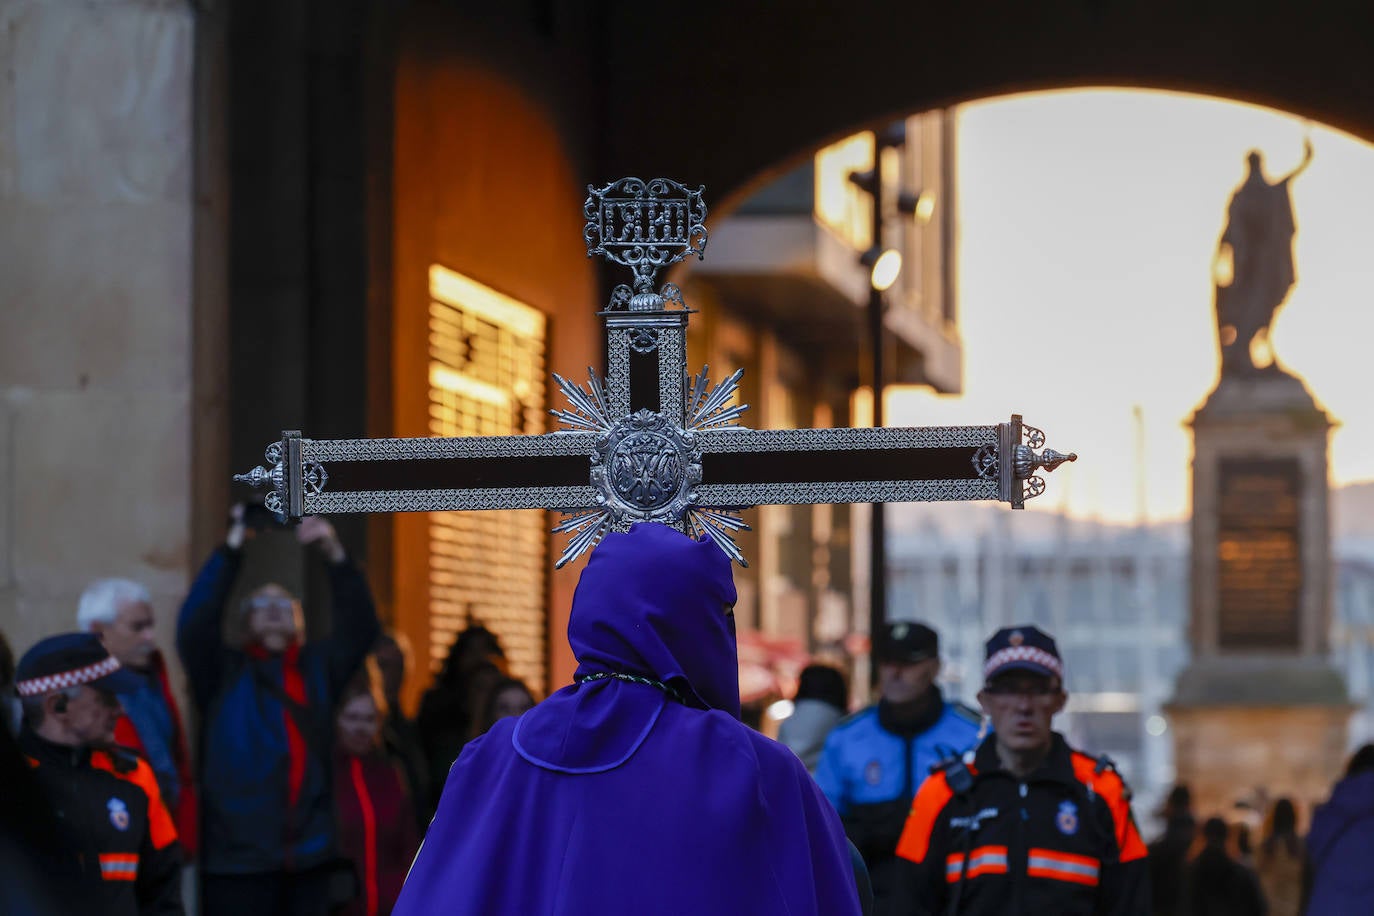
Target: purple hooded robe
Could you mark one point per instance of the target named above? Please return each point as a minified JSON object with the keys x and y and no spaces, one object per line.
{"x":611,"y":796}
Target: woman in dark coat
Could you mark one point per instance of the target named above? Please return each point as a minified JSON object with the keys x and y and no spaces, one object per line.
{"x":376,"y":815}
{"x":448,"y":710}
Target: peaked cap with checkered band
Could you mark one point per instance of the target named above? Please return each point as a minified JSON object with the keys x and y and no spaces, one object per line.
{"x":70,"y":660}
{"x":1023,"y":648}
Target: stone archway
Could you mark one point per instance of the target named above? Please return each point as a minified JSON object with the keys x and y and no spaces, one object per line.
{"x":794,"y":82}
{"x":721,"y":94}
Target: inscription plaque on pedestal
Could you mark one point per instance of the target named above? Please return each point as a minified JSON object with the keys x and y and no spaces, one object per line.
{"x":1259,"y":558}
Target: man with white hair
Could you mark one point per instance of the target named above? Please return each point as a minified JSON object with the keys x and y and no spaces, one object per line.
{"x":120,"y":612}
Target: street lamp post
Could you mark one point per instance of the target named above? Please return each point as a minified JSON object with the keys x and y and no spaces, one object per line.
{"x":884,"y":264}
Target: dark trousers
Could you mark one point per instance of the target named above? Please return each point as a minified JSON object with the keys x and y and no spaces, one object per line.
{"x":278,"y":893}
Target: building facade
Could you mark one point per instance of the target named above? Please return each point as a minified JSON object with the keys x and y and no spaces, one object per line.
{"x":783,"y":294}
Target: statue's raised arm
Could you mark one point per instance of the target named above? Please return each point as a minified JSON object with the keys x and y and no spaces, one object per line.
{"x":1301,"y":166}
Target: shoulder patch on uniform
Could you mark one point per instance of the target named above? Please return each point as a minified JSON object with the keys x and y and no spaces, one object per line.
{"x":1067,"y":818}
{"x":119,"y":813}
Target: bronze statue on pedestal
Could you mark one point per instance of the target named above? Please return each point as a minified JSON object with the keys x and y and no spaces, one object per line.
{"x":1254,"y":269}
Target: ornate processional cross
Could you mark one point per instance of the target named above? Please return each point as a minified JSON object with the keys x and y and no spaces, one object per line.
{"x":648,"y":443}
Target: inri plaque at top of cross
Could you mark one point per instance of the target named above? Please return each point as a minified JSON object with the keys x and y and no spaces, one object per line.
{"x":648,"y":443}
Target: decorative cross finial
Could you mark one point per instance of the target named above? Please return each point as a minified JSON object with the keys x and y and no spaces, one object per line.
{"x":645,"y":226}
{"x":646,"y":462}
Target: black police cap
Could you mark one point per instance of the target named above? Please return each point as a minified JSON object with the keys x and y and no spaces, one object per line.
{"x":907,"y":641}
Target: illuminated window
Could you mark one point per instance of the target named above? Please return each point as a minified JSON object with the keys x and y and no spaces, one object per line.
{"x":486,"y":378}
{"x":841,"y":205}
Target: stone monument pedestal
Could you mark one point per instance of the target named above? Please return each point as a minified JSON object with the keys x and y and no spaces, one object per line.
{"x":1259,"y":706}
{"x":1276,"y":725}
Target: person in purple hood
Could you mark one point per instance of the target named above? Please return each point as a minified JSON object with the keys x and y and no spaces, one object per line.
{"x":1337,"y":880}
{"x":636,"y":789}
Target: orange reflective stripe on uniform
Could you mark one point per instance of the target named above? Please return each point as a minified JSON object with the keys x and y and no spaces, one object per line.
{"x":1063,"y":866}
{"x":161,"y":830}
{"x":1109,"y":786}
{"x":984,"y":860}
{"x":119,"y":866}
{"x":934,"y":794}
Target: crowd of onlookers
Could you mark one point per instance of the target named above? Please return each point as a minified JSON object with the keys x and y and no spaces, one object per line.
{"x":1218,"y":868}
{"x":296,"y":784}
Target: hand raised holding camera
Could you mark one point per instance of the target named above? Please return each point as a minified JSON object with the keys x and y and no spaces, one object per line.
{"x":238,"y":527}
{"x":316,"y":529}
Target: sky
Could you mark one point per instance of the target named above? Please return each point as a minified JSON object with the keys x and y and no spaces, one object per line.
{"x":1088,"y":221}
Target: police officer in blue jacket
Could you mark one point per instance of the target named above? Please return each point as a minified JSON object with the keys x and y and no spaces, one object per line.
{"x":875,"y":760}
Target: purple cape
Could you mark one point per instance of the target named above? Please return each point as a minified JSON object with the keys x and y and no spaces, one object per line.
{"x":610,"y":797}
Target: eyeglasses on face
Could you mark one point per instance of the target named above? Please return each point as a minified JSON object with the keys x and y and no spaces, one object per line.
{"x":271,"y":603}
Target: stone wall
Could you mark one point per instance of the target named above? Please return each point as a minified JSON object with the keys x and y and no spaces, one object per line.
{"x":96,"y":320}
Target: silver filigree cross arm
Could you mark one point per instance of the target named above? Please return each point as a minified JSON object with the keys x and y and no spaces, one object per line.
{"x":648,"y":443}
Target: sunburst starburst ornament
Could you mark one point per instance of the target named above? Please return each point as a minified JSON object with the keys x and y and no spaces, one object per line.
{"x":645,"y":468}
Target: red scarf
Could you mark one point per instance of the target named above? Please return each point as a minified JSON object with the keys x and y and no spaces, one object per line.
{"x":293,"y":683}
{"x":355,"y":768}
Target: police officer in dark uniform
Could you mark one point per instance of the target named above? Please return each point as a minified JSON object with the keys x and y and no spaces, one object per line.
{"x":874,"y":760}
{"x":109,"y":811}
{"x":1025,"y":824}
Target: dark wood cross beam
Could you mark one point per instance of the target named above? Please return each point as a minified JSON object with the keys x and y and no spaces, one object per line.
{"x":648,"y":443}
